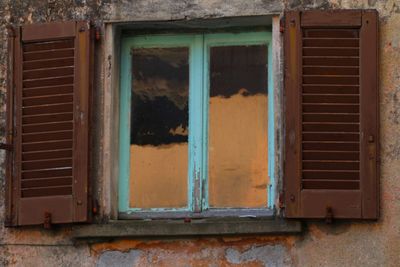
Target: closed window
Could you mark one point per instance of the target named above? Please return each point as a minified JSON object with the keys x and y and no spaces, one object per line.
{"x":194,"y":124}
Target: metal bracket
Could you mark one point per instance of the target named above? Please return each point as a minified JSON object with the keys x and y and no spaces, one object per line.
{"x":329,"y":215}
{"x":5,"y":146}
{"x":282,"y":25}
{"x":47,"y":220}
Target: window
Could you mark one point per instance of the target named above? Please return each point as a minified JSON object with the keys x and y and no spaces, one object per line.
{"x":195,"y":129}
{"x":194,"y":124}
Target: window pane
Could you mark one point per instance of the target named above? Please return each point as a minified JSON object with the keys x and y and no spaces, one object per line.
{"x":159,"y":128}
{"x":238,"y":127}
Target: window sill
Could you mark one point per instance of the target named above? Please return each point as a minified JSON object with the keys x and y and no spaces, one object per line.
{"x":181,"y":228}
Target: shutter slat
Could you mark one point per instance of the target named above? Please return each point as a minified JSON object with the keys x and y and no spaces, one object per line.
{"x":330,"y":33}
{"x":50,"y":72}
{"x":48,"y":109}
{"x":53,"y":173}
{"x":331,"y":184}
{"x":43,"y":118}
{"x":48,"y":127}
{"x":59,"y":181}
{"x":46,"y":164}
{"x":50,"y":45}
{"x":331,"y":108}
{"x":48,"y":82}
{"x":331,"y":117}
{"x":46,"y":191}
{"x":325,"y":98}
{"x":331,"y":79}
{"x":49,"y":145}
{"x":53,"y":154}
{"x":323,"y":70}
{"x":47,"y":136}
{"x":48,"y":91}
{"x":43,"y":100}
{"x":329,"y":51}
{"x":330,"y":61}
{"x":331,"y":165}
{"x":331,"y":155}
{"x":330,"y":89}
{"x":330,"y":42}
{"x":331,"y":174}
{"x":46,"y":64}
{"x":331,"y":146}
{"x":47,"y":55}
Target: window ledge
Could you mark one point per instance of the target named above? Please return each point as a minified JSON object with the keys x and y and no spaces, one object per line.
{"x":174,"y":228}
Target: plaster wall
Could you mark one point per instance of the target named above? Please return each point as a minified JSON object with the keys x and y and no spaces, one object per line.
{"x":340,"y":244}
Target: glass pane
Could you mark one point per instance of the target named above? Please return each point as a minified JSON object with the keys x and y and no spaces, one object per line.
{"x":238,"y":127}
{"x":159,"y":128}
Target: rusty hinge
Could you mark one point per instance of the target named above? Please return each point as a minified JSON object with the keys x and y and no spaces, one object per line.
{"x":329,"y":215}
{"x":47,"y":220}
{"x":282,"y":25}
{"x":5,"y":146}
{"x":95,"y":206}
{"x":281,"y":200}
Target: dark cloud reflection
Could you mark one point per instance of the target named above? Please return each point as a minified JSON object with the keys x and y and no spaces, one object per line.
{"x":160,"y":92}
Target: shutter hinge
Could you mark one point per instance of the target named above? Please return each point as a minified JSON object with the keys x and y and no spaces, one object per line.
{"x":329,"y":215}
{"x":281,"y":200}
{"x":95,"y":32}
{"x":5,"y":146}
{"x":282,"y":25}
{"x":47,"y":220}
{"x":95,"y":206}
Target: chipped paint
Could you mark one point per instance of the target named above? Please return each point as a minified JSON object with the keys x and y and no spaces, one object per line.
{"x":339,"y":244}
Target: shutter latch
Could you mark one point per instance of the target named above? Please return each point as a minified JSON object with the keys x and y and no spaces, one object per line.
{"x":5,"y":146}
{"x":329,"y":215}
{"x":47,"y":220}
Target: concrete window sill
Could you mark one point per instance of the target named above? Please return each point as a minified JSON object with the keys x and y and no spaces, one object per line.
{"x":181,"y":228}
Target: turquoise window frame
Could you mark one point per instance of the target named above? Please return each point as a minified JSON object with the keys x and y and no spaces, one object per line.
{"x":198,"y":45}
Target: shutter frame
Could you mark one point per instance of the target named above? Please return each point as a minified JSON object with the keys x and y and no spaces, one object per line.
{"x":362,"y":203}
{"x":64,"y":207}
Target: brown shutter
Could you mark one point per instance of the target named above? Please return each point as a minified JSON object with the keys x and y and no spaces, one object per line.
{"x":331,"y":100}
{"x":49,"y":179}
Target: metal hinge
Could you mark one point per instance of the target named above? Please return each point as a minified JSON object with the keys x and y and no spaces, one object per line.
{"x":5,"y":146}
{"x":329,"y":215}
{"x":281,"y":200}
{"x":282,"y":25}
{"x":47,"y":220}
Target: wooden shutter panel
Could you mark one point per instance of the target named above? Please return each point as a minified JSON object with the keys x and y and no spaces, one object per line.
{"x":49,"y":181}
{"x":331,"y":101}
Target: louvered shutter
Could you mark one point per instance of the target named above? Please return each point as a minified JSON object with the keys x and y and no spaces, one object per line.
{"x":331,"y":111}
{"x":49,"y":181}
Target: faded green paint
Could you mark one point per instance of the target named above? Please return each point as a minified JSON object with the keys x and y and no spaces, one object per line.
{"x":338,"y":244}
{"x":199,"y":45}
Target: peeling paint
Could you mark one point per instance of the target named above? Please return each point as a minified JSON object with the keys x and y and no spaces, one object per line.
{"x":340,"y":244}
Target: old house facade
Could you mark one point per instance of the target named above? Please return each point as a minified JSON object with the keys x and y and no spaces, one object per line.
{"x":138,"y":219}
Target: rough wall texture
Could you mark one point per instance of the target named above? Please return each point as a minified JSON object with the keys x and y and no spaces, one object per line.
{"x":341,"y":244}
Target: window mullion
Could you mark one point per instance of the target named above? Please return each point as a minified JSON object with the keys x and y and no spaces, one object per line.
{"x":196,"y":117}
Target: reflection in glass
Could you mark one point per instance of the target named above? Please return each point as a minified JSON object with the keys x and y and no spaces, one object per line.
{"x":238,"y":127}
{"x":159,"y":127}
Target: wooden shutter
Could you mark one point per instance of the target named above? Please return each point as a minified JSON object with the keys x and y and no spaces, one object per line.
{"x":49,"y":177}
{"x":331,"y":110}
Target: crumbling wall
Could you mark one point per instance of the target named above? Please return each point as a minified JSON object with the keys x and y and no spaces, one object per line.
{"x":340,"y":244}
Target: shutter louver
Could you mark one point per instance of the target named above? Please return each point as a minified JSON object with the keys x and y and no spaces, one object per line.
{"x":331,"y":114}
{"x":51,"y":123}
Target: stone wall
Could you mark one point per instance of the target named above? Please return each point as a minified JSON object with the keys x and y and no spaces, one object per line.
{"x":340,"y":244}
